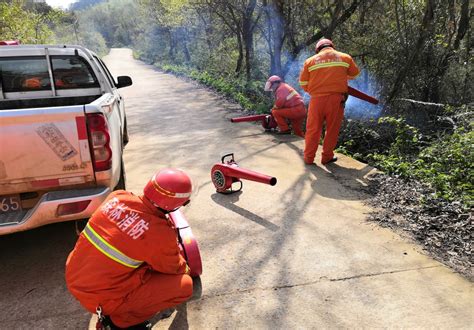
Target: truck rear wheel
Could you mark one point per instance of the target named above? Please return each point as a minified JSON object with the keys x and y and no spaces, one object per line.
{"x":125,"y":132}
{"x":80,"y":225}
{"x":121,"y":183}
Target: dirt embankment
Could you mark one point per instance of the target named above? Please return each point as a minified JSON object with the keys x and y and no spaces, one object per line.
{"x":443,"y":228}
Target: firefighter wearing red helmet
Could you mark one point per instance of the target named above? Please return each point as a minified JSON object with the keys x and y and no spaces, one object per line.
{"x":324,"y":77}
{"x":126,"y":264}
{"x":323,"y":43}
{"x":288,"y":106}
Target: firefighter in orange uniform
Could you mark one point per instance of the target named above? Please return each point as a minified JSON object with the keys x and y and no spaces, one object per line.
{"x":126,"y":265}
{"x":288,"y":105}
{"x":32,"y":83}
{"x":324,"y":77}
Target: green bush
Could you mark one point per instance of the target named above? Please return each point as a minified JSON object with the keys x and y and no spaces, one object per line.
{"x":447,"y":166}
{"x":444,"y":161}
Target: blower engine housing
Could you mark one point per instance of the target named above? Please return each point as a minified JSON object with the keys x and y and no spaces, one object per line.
{"x":226,"y":173}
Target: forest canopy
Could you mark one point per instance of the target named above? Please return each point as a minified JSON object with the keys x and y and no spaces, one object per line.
{"x":418,"y":49}
{"x":415,"y":49}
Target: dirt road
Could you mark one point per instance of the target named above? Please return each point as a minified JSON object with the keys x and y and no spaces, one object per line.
{"x":296,"y":255}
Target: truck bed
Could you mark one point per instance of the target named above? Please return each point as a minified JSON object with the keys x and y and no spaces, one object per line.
{"x":47,"y":102}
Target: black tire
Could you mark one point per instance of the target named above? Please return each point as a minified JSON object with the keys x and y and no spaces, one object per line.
{"x":121,"y":185}
{"x":80,"y":225}
{"x":125,"y":138}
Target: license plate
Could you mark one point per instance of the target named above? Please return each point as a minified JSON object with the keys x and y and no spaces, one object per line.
{"x":10,"y":203}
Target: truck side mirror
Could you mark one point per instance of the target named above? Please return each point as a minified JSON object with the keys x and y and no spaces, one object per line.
{"x":123,"y":81}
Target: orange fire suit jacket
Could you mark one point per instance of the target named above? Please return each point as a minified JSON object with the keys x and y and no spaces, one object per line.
{"x":287,"y":97}
{"x":132,"y":225}
{"x":34,"y":83}
{"x":327,"y":73}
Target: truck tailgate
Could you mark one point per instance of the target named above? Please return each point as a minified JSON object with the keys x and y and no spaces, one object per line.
{"x":43,"y":148}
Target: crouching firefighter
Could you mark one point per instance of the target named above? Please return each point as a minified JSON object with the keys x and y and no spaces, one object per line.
{"x":288,"y":106}
{"x":126,"y":265}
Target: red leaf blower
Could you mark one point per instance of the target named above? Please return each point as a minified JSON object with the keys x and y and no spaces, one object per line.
{"x":187,"y":243}
{"x":228,"y":172}
{"x":360,"y":95}
{"x":268,"y":122}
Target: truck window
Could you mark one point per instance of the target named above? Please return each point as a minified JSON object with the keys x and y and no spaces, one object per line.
{"x":24,"y":74}
{"x":72,"y":72}
{"x":106,"y":70}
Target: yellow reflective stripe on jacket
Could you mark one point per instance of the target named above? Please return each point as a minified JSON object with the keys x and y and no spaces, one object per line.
{"x":291,"y":95}
{"x":303,"y":83}
{"x":103,"y":246}
{"x":327,"y":65}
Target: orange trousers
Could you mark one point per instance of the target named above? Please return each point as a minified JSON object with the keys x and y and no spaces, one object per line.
{"x":159,"y":292}
{"x":296,"y":115}
{"x":329,"y":109}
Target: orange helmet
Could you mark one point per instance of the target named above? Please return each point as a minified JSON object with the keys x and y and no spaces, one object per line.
{"x":271,"y":81}
{"x":322,"y":43}
{"x":169,"y":189}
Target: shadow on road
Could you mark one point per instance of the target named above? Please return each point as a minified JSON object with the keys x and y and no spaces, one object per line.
{"x":327,"y":177}
{"x":228,"y":201}
{"x":352,"y":174}
{"x":32,"y":268}
{"x":179,"y":314}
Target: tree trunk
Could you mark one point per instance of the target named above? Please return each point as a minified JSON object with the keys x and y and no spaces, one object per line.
{"x":248,"y":42}
{"x":467,"y":85}
{"x":171,"y":40}
{"x":425,"y":27}
{"x":443,"y":65}
{"x":240,"y":59}
{"x":187,"y":56}
{"x":338,"y":19}
{"x":278,"y":36}
{"x":247,"y":36}
{"x":276,"y":33}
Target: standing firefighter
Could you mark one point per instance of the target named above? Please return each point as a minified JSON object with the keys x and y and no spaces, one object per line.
{"x":288,"y":105}
{"x":126,"y":264}
{"x":324,"y":77}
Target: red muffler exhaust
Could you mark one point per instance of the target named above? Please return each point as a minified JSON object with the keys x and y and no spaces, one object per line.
{"x":227,"y":173}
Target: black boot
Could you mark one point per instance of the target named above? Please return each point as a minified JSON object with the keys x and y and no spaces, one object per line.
{"x":142,"y":326}
{"x":108,"y":324}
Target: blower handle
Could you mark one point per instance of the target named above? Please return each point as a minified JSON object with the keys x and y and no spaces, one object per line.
{"x":232,"y":161}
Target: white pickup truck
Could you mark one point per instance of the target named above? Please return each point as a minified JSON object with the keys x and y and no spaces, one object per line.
{"x":62,"y":133}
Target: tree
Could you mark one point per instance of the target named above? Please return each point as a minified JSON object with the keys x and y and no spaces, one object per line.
{"x":29,"y":23}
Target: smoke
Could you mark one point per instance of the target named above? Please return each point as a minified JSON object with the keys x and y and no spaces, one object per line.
{"x":294,"y":69}
{"x":355,"y":108}
{"x":358,"y":109}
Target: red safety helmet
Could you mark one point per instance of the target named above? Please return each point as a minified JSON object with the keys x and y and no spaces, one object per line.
{"x":322,"y":43}
{"x":169,"y":189}
{"x":272,"y":80}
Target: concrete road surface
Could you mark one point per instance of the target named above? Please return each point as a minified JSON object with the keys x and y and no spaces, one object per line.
{"x":296,"y":255}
